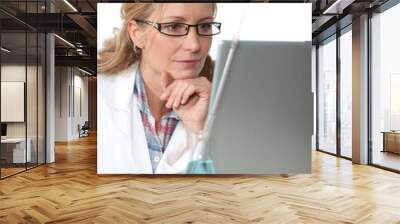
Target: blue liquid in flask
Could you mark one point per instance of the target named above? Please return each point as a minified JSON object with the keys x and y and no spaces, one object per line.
{"x":201,"y":167}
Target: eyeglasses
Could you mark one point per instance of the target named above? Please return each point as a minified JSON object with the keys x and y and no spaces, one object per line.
{"x":182,"y":29}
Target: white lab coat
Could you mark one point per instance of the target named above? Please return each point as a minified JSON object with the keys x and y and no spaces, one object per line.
{"x":121,"y":141}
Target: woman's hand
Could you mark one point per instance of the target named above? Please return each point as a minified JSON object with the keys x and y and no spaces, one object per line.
{"x":189,"y":98}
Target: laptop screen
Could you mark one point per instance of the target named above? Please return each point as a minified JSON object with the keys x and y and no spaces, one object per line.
{"x":263,"y":123}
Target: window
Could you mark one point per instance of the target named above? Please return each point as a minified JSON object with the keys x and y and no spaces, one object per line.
{"x":22,"y":68}
{"x":327,"y":96}
{"x":346,"y":93}
{"x":385,"y":88}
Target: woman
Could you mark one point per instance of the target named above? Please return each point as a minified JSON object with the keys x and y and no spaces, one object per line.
{"x":154,"y":87}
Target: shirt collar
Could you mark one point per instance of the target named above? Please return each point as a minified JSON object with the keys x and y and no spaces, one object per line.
{"x":140,"y":94}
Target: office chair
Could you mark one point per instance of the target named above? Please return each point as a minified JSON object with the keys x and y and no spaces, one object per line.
{"x":84,"y":130}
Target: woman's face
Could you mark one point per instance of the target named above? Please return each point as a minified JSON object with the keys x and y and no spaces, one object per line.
{"x":184,"y":56}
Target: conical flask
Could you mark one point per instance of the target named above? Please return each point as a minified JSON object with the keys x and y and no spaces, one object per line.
{"x":200,"y":162}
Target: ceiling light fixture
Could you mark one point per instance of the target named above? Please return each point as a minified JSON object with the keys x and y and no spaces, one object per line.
{"x":338,"y":6}
{"x":64,"y":40}
{"x":70,"y":5}
{"x":5,"y":50}
{"x":86,"y":72}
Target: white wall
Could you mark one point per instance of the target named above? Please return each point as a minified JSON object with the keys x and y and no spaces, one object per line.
{"x":262,"y":21}
{"x":67,"y":115}
{"x":15,"y":72}
{"x":80,"y":83}
{"x":33,"y":127}
{"x":61,"y":103}
{"x":12,"y":73}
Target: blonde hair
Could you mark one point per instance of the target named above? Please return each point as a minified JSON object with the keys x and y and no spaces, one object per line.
{"x":119,"y":52}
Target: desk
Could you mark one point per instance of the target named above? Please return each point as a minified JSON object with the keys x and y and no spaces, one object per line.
{"x":16,"y":147}
{"x":391,"y":141}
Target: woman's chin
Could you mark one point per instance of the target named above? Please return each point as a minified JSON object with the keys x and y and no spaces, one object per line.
{"x":185,"y":74}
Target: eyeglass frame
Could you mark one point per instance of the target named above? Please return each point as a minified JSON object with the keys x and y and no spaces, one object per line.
{"x":157,"y":26}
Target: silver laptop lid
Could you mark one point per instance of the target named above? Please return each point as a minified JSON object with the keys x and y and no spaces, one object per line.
{"x":264,"y":121}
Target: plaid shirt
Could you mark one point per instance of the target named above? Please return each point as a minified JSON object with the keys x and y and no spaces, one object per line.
{"x":156,"y":142}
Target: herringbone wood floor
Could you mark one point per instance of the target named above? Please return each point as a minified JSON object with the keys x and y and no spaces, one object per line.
{"x":70,"y":191}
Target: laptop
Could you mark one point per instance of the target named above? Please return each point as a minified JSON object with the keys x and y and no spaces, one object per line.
{"x":264,"y":121}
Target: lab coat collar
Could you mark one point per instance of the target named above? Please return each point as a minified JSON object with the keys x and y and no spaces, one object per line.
{"x":120,"y":86}
{"x":174,"y":159}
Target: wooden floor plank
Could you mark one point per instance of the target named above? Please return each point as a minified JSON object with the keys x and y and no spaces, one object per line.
{"x":70,"y":191}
